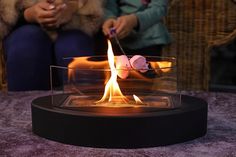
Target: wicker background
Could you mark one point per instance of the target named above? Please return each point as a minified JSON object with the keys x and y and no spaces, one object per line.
{"x":196,"y":26}
{"x":3,"y":84}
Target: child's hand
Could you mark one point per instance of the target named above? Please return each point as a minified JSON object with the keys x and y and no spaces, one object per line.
{"x":107,"y":25}
{"x":125,"y":24}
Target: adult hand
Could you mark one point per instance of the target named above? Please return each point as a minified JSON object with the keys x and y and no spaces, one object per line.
{"x":44,"y":13}
{"x":66,"y":14}
{"x":125,"y":24}
{"x":81,"y":3}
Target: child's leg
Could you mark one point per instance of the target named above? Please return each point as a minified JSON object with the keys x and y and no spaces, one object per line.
{"x":29,"y":55}
{"x":72,"y":43}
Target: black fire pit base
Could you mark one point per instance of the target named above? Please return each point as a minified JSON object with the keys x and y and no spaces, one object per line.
{"x":124,"y":128}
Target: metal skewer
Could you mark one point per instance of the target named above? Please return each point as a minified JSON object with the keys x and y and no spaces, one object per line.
{"x":114,"y":35}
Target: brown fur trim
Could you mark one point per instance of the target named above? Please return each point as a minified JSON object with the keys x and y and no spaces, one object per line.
{"x":8,"y":16}
{"x":87,"y":19}
{"x":8,"y":11}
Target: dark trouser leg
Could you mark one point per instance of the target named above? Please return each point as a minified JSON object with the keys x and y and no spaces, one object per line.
{"x":69,"y":44}
{"x":72,"y":43}
{"x":100,"y":44}
{"x":29,"y":55}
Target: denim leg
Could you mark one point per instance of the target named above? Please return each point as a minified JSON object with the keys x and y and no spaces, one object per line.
{"x":72,"y":43}
{"x":28,"y":56}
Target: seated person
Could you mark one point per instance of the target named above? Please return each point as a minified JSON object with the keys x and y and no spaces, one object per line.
{"x":138,"y":25}
{"x":46,"y":32}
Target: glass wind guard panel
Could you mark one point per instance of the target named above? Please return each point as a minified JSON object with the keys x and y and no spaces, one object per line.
{"x":90,"y":82}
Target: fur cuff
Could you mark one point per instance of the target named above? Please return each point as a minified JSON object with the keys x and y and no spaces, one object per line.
{"x":8,"y":16}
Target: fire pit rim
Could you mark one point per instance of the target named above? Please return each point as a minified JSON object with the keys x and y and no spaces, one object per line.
{"x":161,"y":112}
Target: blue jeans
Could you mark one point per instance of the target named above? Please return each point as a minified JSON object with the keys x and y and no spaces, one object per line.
{"x":30,"y":52}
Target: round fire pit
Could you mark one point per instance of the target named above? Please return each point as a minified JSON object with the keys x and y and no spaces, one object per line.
{"x":119,"y":127}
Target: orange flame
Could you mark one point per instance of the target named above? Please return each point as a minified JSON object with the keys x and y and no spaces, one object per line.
{"x":84,"y":63}
{"x":137,"y":100}
{"x":164,"y":66}
{"x":112,"y":90}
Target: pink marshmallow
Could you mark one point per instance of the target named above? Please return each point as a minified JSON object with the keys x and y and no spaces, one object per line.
{"x":122,"y":66}
{"x":139,"y":62}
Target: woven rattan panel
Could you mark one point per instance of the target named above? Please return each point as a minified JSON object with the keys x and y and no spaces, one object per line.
{"x":196,"y":26}
{"x":2,"y":69}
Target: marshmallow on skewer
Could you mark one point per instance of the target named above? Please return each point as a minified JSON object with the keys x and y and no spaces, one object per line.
{"x":139,"y":63}
{"x":122,"y":66}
